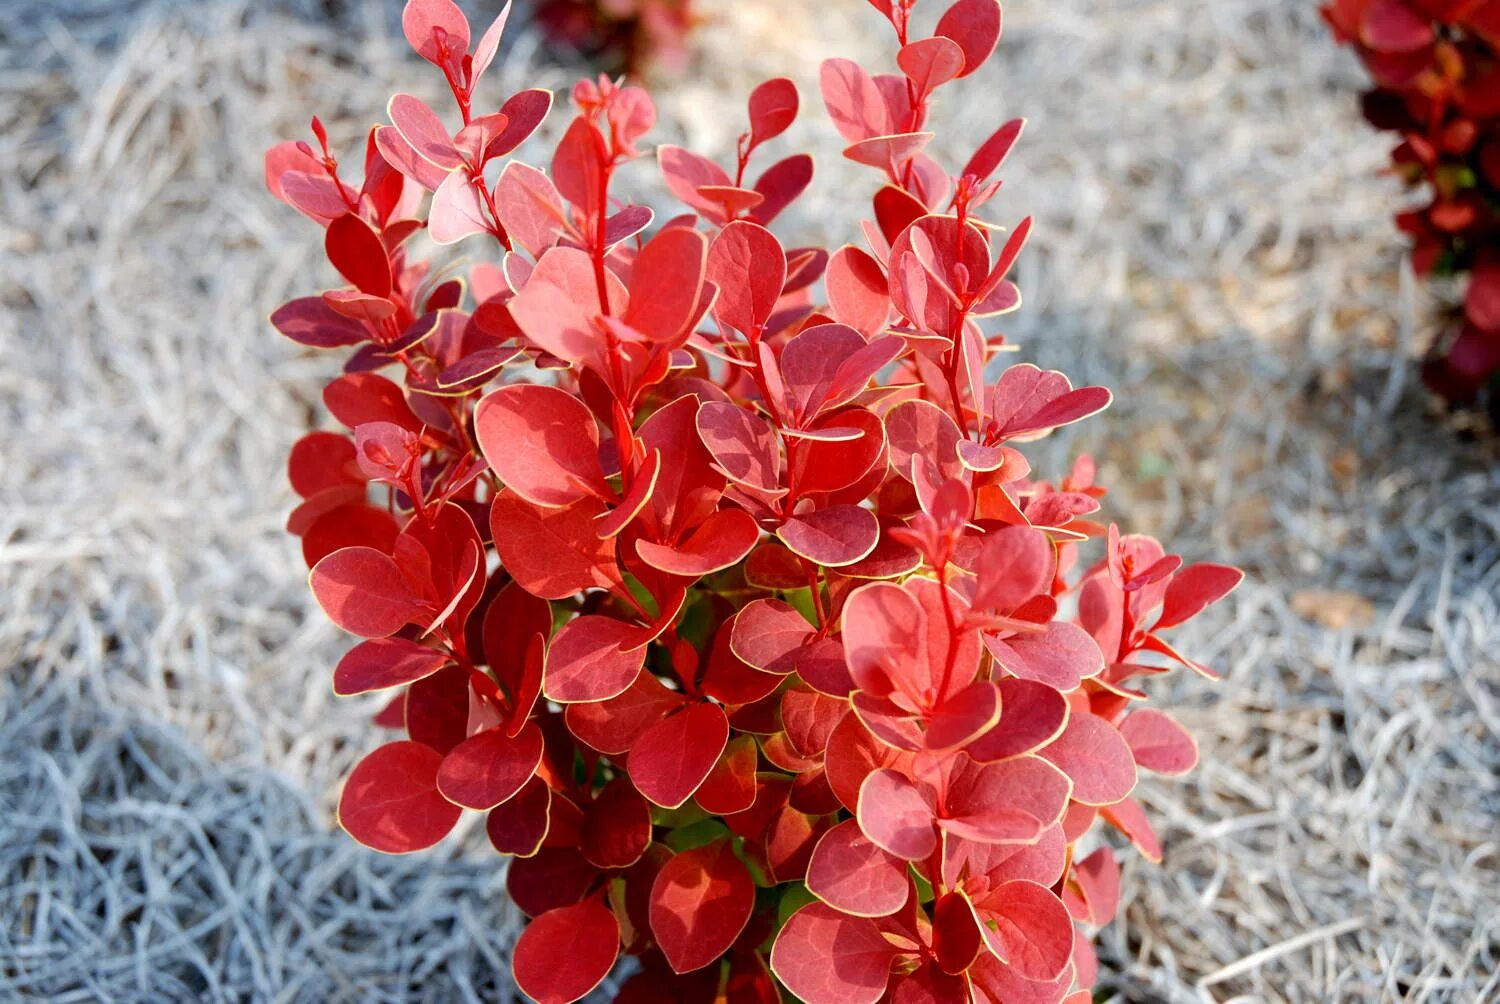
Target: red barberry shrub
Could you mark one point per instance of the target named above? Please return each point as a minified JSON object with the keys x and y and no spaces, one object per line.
{"x":712,"y":570}
{"x":1436,"y":69}
{"x":620,"y":35}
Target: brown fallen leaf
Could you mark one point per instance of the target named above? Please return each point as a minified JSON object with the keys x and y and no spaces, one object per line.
{"x":1335,"y":609}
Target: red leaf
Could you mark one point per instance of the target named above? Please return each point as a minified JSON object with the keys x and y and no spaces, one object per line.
{"x":323,"y":460}
{"x":1194,"y":588}
{"x":1097,"y":759}
{"x":748,"y":266}
{"x":355,"y":250}
{"x":854,"y":876}
{"x":1158,"y":742}
{"x":826,"y":957}
{"x":529,"y":207}
{"x":895,"y":814}
{"x":542,"y":442}
{"x":742,"y":445}
{"x":360,"y":398}
{"x":486,"y":769}
{"x":552,"y":553}
{"x":617,"y":827}
{"x":674,"y":756}
{"x":1032,"y":930}
{"x":975,"y":25}
{"x":593,"y":658}
{"x":1392,"y":26}
{"x":363,"y":591}
{"x":578,"y":165}
{"x":518,"y":825}
{"x":730,"y":785}
{"x":1015,"y":563}
{"x":685,"y":172}
{"x":1098,"y":880}
{"x":666,"y":283}
{"x":773,"y":107}
{"x":381,"y":663}
{"x":993,"y":151}
{"x":566,"y":952}
{"x":1026,"y":402}
{"x":780,"y":184}
{"x":310,"y":321}
{"x":831,"y":537}
{"x":1031,"y":715}
{"x":722,"y":540}
{"x":391,"y":801}
{"x":700,"y":902}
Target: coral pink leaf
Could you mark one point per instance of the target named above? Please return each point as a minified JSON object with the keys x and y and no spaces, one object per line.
{"x":921,"y":428}
{"x":722,"y":540}
{"x":429,"y":25}
{"x":486,"y":769}
{"x":489,"y":44}
{"x":1098,"y":879}
{"x":769,"y":634}
{"x":748,"y":266}
{"x":685,"y":172}
{"x":853,"y":100}
{"x":854,"y":876}
{"x":456,"y":211}
{"x":673,"y":757}
{"x":856,"y":289}
{"x":832,"y":537}
{"x":381,"y":663}
{"x":1097,"y":759}
{"x":1158,"y":742}
{"x":700,"y":902}
{"x":884,"y":637}
{"x":975,"y":25}
{"x":566,"y":952}
{"x":542,"y":442}
{"x":552,"y":553}
{"x":391,"y":801}
{"x":1194,"y":588}
{"x":888,"y":151}
{"x":529,"y":207}
{"x":1130,"y":819}
{"x":613,"y":726}
{"x":895,"y":814}
{"x":357,"y":253}
{"x":400,"y":155}
{"x":363,"y":591}
{"x":518,"y":825}
{"x":929,"y":63}
{"x":1031,"y":715}
{"x":742,"y":444}
{"x":827,"y":957}
{"x":993,"y":151}
{"x":1015,"y":563}
{"x":592,"y":658}
{"x":1061,"y":655}
{"x":1033,"y":928}
{"x":424,"y":131}
{"x":773,"y":107}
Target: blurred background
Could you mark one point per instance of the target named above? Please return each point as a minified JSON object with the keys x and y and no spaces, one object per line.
{"x":1214,"y":242}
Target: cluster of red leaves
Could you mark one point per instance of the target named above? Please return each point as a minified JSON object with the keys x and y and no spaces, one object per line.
{"x":735,"y":605}
{"x":620,"y":35}
{"x":1436,"y":67}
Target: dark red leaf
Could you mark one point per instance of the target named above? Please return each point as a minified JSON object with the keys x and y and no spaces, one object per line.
{"x":391,"y":801}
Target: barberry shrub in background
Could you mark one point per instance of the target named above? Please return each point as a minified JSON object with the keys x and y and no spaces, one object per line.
{"x":710,"y":570}
{"x":620,"y":35}
{"x":1436,"y":68}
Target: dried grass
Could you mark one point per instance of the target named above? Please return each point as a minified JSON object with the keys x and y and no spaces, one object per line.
{"x":1214,"y":244}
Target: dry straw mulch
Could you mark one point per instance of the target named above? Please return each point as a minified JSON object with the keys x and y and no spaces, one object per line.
{"x":1214,"y":244}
